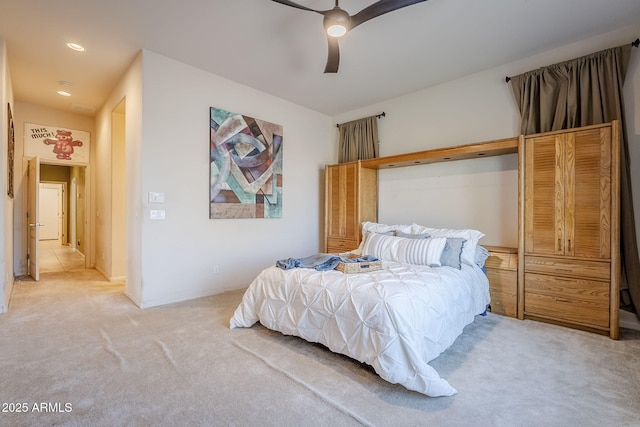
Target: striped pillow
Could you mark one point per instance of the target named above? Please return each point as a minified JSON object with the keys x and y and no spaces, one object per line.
{"x":405,"y":250}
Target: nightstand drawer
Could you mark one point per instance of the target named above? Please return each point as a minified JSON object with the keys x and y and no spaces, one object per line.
{"x":502,"y":261}
{"x":503,"y":291}
{"x":503,"y":280}
{"x":504,"y":304}
{"x":598,"y":270}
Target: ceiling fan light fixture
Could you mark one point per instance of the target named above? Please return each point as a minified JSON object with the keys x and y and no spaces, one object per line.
{"x":337,"y":22}
{"x":75,"y":46}
{"x":337,"y":30}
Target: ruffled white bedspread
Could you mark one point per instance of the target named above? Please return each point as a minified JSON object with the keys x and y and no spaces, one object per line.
{"x":396,"y":319}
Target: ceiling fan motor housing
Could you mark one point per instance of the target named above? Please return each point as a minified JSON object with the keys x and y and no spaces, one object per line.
{"x":337,"y":22}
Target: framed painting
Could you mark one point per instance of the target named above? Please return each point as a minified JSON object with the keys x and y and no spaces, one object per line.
{"x":11,"y":144}
{"x":245,"y":173}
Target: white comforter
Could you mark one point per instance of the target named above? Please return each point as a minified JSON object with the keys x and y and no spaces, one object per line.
{"x":396,"y":319}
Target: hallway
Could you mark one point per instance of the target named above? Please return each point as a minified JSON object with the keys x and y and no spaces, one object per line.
{"x":56,"y":258}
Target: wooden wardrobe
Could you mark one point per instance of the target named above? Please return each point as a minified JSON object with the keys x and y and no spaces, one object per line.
{"x":351,"y":198}
{"x":569,"y":228}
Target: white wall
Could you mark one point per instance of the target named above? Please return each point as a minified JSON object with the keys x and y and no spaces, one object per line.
{"x":6,"y":203}
{"x":480,"y":193}
{"x":177,"y":255}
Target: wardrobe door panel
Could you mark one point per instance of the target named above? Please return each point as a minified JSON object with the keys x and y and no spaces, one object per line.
{"x":544,"y":201}
{"x":342,"y":183}
{"x":589,"y":229}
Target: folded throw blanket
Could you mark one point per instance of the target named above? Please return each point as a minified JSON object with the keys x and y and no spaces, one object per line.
{"x":320,"y":262}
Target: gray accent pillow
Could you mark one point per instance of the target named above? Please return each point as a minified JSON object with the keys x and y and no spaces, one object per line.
{"x":452,"y":254}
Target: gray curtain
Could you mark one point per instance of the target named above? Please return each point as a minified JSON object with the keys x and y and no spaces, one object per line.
{"x":358,"y":140}
{"x":581,"y":92}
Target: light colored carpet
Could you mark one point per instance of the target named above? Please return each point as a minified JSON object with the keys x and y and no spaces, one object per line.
{"x":74,"y":338}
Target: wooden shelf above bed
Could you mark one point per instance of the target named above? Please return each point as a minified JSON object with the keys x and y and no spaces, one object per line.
{"x":448,"y":154}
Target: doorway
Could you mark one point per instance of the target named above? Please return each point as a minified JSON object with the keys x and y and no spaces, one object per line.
{"x":53,"y":215}
{"x":54,"y":212}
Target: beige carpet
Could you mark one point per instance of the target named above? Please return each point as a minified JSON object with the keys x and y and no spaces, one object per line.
{"x":74,"y":345}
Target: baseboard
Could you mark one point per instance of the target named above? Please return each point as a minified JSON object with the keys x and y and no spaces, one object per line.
{"x":133,"y":299}
{"x":178,"y":298}
{"x":110,"y":279}
{"x":629,"y":320}
{"x":8,"y":293}
{"x":101,"y":271}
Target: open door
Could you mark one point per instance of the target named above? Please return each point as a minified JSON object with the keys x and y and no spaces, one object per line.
{"x":32,"y":218}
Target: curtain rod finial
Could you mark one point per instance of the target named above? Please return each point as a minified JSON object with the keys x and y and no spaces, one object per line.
{"x":636,"y":42}
{"x":507,"y":79}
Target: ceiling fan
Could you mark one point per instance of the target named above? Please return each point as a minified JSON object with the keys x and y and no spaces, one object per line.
{"x":337,"y":22}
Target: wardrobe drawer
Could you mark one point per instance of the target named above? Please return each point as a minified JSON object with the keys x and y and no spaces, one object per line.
{"x":599,"y":270}
{"x":335,"y":245}
{"x":571,"y":300}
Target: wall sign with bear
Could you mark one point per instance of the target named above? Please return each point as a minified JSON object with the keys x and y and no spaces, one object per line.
{"x":56,"y":143}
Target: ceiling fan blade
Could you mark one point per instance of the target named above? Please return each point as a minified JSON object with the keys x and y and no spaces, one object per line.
{"x":298,"y":6}
{"x":379,"y":8}
{"x":333,"y":56}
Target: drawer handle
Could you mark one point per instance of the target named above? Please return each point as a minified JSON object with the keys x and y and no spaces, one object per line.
{"x":564,"y":270}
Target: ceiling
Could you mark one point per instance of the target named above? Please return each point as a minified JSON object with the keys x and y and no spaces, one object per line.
{"x":281,"y":50}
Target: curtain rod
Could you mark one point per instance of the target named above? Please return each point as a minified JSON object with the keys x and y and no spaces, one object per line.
{"x":634,"y":43}
{"x":378,"y":116}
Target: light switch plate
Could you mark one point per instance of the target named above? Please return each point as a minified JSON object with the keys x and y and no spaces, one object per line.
{"x":157,"y":214}
{"x":156,"y":197}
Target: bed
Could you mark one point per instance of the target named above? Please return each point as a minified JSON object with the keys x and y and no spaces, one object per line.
{"x":395,"y":319}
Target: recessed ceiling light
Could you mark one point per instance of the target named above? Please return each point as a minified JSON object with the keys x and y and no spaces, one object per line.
{"x":76,"y":46}
{"x":63,"y":93}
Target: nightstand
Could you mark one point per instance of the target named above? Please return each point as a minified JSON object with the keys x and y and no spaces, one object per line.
{"x":502,"y":271}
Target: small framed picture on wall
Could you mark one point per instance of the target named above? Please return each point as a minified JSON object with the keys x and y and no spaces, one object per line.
{"x":11,"y":144}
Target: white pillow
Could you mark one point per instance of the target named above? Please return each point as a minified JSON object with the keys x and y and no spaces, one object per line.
{"x":375,"y":227}
{"x":471,"y":236}
{"x":404,"y":249}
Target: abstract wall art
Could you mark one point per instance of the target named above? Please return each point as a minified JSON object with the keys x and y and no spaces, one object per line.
{"x":245,"y":174}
